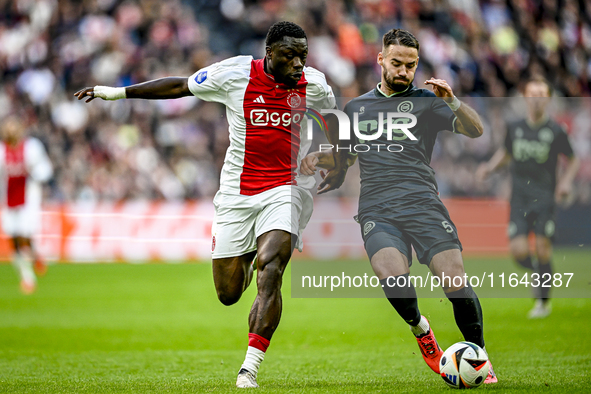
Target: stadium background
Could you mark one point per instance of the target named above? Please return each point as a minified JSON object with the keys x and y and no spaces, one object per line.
{"x":130,"y":173}
{"x":134,"y":179}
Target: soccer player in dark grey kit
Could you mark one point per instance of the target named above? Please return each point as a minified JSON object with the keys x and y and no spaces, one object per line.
{"x":532,"y":146}
{"x":399,"y":205}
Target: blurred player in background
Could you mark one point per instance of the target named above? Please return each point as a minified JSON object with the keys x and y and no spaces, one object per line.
{"x":399,"y":205}
{"x":263,"y":204}
{"x":532,"y":146}
{"x":24,"y":165}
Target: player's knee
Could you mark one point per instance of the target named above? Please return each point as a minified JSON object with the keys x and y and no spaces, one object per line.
{"x":270,"y":277}
{"x":449,"y":270}
{"x":271,"y":272}
{"x":229,"y":297}
{"x":271,"y":257}
{"x":519,"y":250}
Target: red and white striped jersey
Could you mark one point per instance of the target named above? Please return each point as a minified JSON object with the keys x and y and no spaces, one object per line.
{"x":23,"y":166}
{"x":265,"y":121}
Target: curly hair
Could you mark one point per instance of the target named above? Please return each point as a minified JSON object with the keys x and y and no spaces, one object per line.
{"x":283,"y":29}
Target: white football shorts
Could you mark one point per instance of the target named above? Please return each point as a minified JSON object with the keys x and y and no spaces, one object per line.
{"x":240,"y":220}
{"x":23,"y":221}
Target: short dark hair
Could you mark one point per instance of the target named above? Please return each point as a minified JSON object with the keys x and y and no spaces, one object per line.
{"x":537,"y":78}
{"x":283,"y":29}
{"x":400,"y":37}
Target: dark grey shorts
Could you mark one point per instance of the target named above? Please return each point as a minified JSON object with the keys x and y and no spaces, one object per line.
{"x":526,"y":218}
{"x":428,"y":229}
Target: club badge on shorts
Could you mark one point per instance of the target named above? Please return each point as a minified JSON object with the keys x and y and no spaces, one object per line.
{"x":213,"y":243}
{"x":368,"y":227}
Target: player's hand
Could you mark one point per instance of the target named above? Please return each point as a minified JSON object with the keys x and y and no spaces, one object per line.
{"x":308,"y":166}
{"x":563,"y":191}
{"x":482,"y":172}
{"x":333,"y":180}
{"x":86,"y":92}
{"x":441,"y":89}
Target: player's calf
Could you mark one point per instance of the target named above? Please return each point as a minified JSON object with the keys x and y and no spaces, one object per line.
{"x":403,"y":297}
{"x":520,"y":251}
{"x":525,"y":262}
{"x":468,"y":314}
{"x":266,"y":309}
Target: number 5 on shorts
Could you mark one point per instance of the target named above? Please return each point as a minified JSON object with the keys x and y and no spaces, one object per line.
{"x":447,"y":226}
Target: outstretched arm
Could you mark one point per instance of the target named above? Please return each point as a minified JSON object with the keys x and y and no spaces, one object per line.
{"x":500,"y":159}
{"x":313,"y":160}
{"x":163,"y":88}
{"x":565,"y":186}
{"x":322,"y":159}
{"x":468,"y":122}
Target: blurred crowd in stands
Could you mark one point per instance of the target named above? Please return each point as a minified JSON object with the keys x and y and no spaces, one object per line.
{"x":174,"y":149}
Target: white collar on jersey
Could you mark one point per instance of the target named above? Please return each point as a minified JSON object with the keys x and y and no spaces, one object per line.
{"x":393,"y":94}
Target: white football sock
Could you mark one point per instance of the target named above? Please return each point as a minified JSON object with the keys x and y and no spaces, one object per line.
{"x":25,"y":268}
{"x":421,"y":328}
{"x":253,"y":360}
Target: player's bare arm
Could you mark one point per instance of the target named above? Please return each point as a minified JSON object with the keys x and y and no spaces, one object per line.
{"x":468,"y":122}
{"x":158,"y":89}
{"x":565,"y":187}
{"x":313,"y":160}
{"x":324,"y":160}
{"x":336,"y":176}
{"x":500,"y":159}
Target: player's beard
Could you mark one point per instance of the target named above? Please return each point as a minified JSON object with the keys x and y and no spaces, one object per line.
{"x":395,"y":84}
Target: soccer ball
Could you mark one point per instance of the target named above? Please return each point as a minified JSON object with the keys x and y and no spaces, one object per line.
{"x":464,"y":365}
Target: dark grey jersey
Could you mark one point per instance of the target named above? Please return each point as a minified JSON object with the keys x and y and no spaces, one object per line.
{"x":396,"y":166}
{"x":535,"y":150}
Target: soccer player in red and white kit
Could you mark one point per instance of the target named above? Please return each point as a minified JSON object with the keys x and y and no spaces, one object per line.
{"x":263,"y":203}
{"x":24,"y":165}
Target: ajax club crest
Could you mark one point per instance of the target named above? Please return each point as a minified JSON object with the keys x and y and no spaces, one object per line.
{"x":294,"y":100}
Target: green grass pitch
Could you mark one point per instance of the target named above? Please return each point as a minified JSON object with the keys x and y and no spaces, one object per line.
{"x":158,"y":328}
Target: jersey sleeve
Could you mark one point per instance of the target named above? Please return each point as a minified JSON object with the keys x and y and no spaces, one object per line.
{"x":212,"y":83}
{"x":319,"y":94}
{"x":563,"y":143}
{"x":442,"y":117}
{"x":38,"y":165}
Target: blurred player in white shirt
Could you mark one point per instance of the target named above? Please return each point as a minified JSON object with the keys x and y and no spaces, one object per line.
{"x":24,"y":165}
